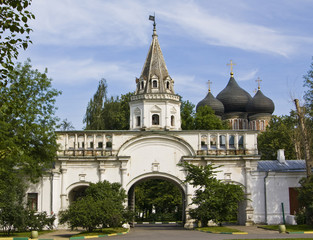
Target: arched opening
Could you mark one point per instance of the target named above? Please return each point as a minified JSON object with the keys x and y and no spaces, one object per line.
{"x":155,"y":119}
{"x":76,"y":193}
{"x":157,"y":199}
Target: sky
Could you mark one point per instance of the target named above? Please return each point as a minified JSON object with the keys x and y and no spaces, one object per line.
{"x":81,"y":42}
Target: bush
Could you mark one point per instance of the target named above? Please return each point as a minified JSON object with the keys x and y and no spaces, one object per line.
{"x":101,"y":207}
{"x":300,"y":217}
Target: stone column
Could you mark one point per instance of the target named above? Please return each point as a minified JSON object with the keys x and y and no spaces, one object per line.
{"x":190,"y":223}
{"x":63,"y":188}
{"x":249,"y":209}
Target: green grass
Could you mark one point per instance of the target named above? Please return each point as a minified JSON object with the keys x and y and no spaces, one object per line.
{"x":290,"y":228}
{"x":101,"y":232}
{"x":217,"y":229}
{"x":23,"y":234}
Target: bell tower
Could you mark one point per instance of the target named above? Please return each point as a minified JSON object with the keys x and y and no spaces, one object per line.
{"x":155,"y":106}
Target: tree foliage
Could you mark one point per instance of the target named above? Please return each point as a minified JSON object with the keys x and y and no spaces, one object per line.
{"x":27,"y":138}
{"x":158,"y":200}
{"x":102,"y":206}
{"x":205,"y":119}
{"x":308,"y":95}
{"x":107,"y":113}
{"x":305,"y":198}
{"x":187,"y":113}
{"x":27,"y":122}
{"x":281,"y":133}
{"x":14,"y":33}
{"x":215,"y":200}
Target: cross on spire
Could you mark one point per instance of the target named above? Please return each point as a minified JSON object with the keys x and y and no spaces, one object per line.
{"x":209,"y":84}
{"x":259,"y":83}
{"x":231,"y":64}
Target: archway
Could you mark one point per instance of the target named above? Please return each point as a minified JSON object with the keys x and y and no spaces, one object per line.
{"x":157,"y":199}
{"x":76,"y":193}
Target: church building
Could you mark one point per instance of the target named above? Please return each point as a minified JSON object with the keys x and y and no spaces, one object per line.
{"x":155,"y":144}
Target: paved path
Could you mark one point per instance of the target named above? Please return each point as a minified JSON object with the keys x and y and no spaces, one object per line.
{"x":169,"y":232}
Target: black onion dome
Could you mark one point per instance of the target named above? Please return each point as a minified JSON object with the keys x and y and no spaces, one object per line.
{"x":212,"y":102}
{"x":234,"y":98}
{"x":260,"y":104}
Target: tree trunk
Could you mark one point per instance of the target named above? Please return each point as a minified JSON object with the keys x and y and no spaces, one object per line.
{"x":306,"y":141}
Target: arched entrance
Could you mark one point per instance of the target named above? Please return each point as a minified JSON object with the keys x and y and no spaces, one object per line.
{"x":158,"y":211}
{"x":77,"y":192}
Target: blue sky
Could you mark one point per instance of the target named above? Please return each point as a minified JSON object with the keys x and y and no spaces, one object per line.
{"x":82,"y":41}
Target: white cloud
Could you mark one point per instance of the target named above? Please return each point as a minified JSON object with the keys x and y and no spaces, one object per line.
{"x":247,"y":75}
{"x":124,"y":23}
{"x":75,"y":72}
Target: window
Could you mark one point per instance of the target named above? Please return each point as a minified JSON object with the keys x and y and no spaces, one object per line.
{"x":91,"y":144}
{"x":240,"y":141}
{"x":100,"y":144}
{"x":231,"y":141}
{"x":155,"y":119}
{"x":172,"y":120}
{"x":168,"y":85}
{"x":141,"y":85}
{"x":108,"y":144}
{"x":222,"y":141}
{"x":32,"y":201}
{"x":154,"y":83}
{"x":81,"y":145}
{"x":138,"y":121}
{"x":213,"y":141}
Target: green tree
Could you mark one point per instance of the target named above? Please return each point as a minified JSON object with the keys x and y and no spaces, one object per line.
{"x":281,"y":133}
{"x":66,"y":125}
{"x":215,"y":200}
{"x":93,"y":116}
{"x":107,"y":113}
{"x":27,"y":138}
{"x":205,"y":119}
{"x":14,"y":19}
{"x":305,"y":198}
{"x":101,"y":207}
{"x":187,"y":113}
{"x":158,"y":200}
{"x":308,"y":95}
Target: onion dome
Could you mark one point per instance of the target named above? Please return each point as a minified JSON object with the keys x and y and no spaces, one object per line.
{"x":212,"y":102}
{"x":260,"y":104}
{"x":233,"y":97}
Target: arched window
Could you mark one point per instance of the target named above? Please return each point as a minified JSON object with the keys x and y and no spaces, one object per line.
{"x":172,"y":120}
{"x":155,"y":119}
{"x":240,"y":141}
{"x":222,"y":141}
{"x":213,"y":141}
{"x":168,"y":85}
{"x":154,"y":83}
{"x":138,"y":121}
{"x":231,"y":141}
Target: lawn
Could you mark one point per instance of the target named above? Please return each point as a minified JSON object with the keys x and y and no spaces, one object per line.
{"x":103,"y":231}
{"x":290,"y":228}
{"x":217,"y":229}
{"x":22,"y":234}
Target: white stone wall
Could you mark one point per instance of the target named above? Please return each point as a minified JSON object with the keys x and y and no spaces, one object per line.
{"x":277,"y":192}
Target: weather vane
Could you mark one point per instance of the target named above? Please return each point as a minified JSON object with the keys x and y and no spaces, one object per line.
{"x":152,"y":18}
